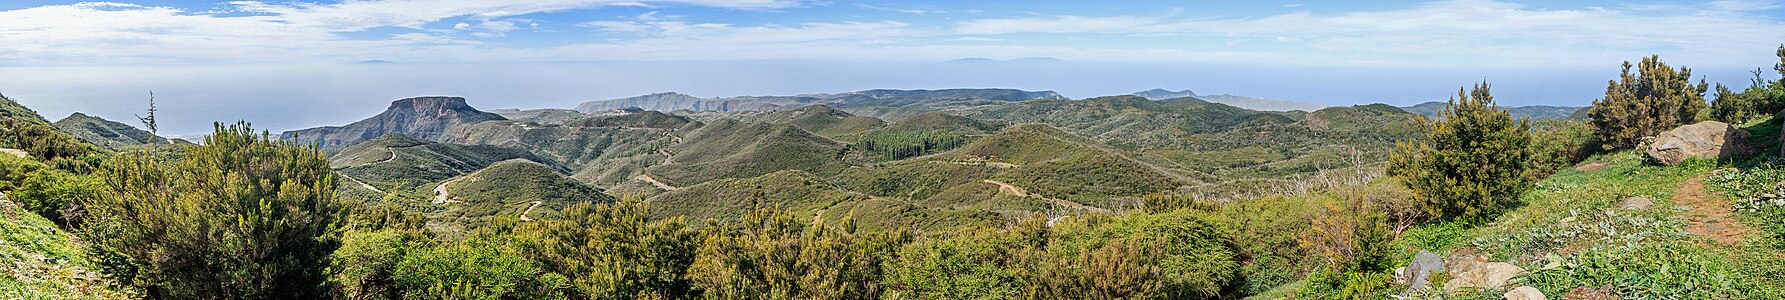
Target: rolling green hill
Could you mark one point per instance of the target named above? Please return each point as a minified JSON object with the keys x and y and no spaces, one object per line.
{"x":1535,"y":112}
{"x":819,"y":119}
{"x":922,"y":134}
{"x":26,"y":130}
{"x":106,"y":133}
{"x":514,"y":188}
{"x":397,"y":162}
{"x":733,"y":149}
{"x":574,"y":147}
{"x":647,"y":119}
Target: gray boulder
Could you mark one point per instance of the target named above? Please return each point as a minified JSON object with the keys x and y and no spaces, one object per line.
{"x":1705,"y":140}
{"x":1418,"y":273}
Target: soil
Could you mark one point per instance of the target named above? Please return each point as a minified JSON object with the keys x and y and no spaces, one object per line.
{"x":1710,"y":216}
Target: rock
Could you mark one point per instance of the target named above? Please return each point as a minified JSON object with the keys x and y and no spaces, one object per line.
{"x":1636,"y":203}
{"x":1524,"y":293}
{"x":1474,"y":272}
{"x":15,"y":152}
{"x":1706,"y":140}
{"x":1418,"y":273}
{"x":425,"y":118}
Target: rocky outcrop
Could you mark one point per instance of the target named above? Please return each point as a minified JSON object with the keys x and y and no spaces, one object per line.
{"x":1419,"y":272}
{"x":1705,"y":140}
{"x":15,"y":152}
{"x":1475,"y":272}
{"x":1636,"y":203}
{"x":1524,"y":293}
{"x":421,"y":117}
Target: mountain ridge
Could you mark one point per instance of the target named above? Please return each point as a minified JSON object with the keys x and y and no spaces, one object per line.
{"x":424,"y":118}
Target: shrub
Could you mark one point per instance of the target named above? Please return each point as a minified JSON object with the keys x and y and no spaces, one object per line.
{"x":1559,"y":144}
{"x":770,"y":255}
{"x":475,"y":269}
{"x":241,"y":216}
{"x":614,"y":251}
{"x":1656,"y":99}
{"x":365,"y":267}
{"x":1472,"y":161}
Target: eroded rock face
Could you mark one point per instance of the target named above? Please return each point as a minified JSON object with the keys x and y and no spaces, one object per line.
{"x":1705,"y":140}
{"x":1474,"y":272}
{"x":421,"y":117}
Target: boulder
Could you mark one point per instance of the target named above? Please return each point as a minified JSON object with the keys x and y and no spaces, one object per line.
{"x":1705,"y":140}
{"x":1419,"y":272}
{"x":1524,"y":293}
{"x":1636,"y":203}
{"x":1475,"y":272}
{"x":15,"y":152}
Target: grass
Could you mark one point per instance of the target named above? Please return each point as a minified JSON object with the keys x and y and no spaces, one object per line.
{"x":1569,"y":233}
{"x":510,"y":187}
{"x":40,"y":261}
{"x":732,"y":149}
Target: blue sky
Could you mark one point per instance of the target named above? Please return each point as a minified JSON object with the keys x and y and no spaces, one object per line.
{"x":291,"y":63}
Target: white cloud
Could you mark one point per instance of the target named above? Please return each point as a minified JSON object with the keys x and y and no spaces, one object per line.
{"x":1489,"y":31}
{"x":111,"y":33}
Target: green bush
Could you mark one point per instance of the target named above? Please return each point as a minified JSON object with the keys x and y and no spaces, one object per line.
{"x":241,"y":216}
{"x":1559,"y":144}
{"x":46,"y":190}
{"x":475,"y":269}
{"x":365,"y":267}
{"x":771,"y":255}
{"x":1472,"y":161}
{"x":1656,"y":99}
{"x":614,"y":251}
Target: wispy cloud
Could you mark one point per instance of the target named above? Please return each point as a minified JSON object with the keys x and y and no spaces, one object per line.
{"x":1460,"y":32}
{"x":1488,"y":31}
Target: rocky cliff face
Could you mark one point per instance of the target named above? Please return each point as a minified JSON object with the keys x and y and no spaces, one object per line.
{"x":420,"y":117}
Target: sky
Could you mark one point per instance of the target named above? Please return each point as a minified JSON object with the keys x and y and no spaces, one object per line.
{"x":294,"y":64}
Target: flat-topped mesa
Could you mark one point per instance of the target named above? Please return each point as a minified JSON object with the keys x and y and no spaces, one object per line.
{"x":420,"y":117}
{"x":434,"y":104}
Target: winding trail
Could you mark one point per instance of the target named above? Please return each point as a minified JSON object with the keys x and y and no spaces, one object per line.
{"x":529,"y":210}
{"x":659,"y":184}
{"x":361,"y":183}
{"x":1710,"y":215}
{"x":441,"y":196}
{"x":1020,"y":192}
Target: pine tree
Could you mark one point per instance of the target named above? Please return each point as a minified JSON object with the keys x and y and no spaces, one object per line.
{"x":240,"y":217}
{"x":1656,"y":99}
{"x":1472,"y":160}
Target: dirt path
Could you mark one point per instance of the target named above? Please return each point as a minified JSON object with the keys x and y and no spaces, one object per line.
{"x":1710,"y":215}
{"x":1007,"y":188}
{"x":659,"y":184}
{"x":441,"y":196}
{"x":530,"y":210}
{"x":361,"y":183}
